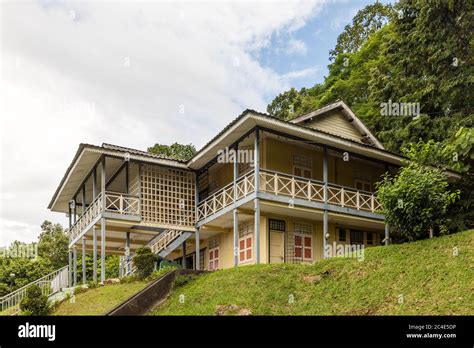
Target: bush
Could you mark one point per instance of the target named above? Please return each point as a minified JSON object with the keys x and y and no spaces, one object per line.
{"x":415,"y":200}
{"x":35,"y":303}
{"x":144,"y":260}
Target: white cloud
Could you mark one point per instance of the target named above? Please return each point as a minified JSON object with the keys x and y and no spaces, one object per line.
{"x":118,"y":72}
{"x":298,"y":74}
{"x":296,"y":47}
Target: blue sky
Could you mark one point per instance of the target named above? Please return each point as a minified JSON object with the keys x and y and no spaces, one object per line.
{"x":319,"y":36}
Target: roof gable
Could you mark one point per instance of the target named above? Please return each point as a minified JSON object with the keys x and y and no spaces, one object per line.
{"x":338,"y":119}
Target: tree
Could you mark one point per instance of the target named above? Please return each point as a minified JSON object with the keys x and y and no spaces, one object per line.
{"x":430,"y":55}
{"x":16,"y":272}
{"x":285,"y":104}
{"x":459,"y":152}
{"x":422,"y":55}
{"x":53,"y":244}
{"x":35,"y":302}
{"x":175,"y":151}
{"x":365,"y":23}
{"x":144,"y":260}
{"x":416,"y":200}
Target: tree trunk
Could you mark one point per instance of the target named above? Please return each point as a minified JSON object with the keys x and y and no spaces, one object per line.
{"x":431,"y":232}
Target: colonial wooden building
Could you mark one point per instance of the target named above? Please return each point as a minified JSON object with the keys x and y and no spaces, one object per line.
{"x":262,"y":191}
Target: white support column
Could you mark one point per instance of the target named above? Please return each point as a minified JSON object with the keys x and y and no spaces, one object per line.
{"x":257,"y":201}
{"x":235,"y":214}
{"x":257,"y":231}
{"x":197,"y":259}
{"x":84,"y":206}
{"x":127,"y":251}
{"x":84,"y":279}
{"x":198,"y":250}
{"x":235,"y":217}
{"x":75,"y":210}
{"x":102,"y":224}
{"x":183,"y":260}
{"x":325,"y":216}
{"x":102,"y":250}
{"x":74,"y":253}
{"x":94,"y":254}
{"x":70,"y":268}
{"x":94,"y":229}
{"x":70,"y":216}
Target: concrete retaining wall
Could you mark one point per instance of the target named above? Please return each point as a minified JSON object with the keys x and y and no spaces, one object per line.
{"x":144,"y":300}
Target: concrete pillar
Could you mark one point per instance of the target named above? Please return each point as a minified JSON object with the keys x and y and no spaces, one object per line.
{"x":70,"y":216}
{"x":236,"y":237}
{"x":184,"y":255}
{"x":257,"y":201}
{"x":84,"y":206}
{"x":70,"y":268}
{"x":94,"y":230}
{"x":102,"y":250}
{"x":127,"y":251}
{"x":84,"y":278}
{"x":198,"y":250}
{"x":74,"y":253}
{"x":325,"y":216}
{"x":94,"y":255}
{"x":75,"y":210}
{"x":235,"y":215}
{"x":325,"y":231}
{"x":257,"y":231}
{"x":102,"y":224}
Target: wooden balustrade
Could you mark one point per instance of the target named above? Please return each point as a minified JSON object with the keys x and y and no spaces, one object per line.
{"x":115,"y":202}
{"x":290,"y":186}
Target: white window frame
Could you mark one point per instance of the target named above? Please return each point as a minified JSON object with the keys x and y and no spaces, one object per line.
{"x":209,"y":268}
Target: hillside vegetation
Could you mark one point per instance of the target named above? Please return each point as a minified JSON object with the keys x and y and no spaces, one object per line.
{"x":429,"y":277}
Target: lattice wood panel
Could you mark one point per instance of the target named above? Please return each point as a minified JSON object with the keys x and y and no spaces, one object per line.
{"x":167,"y":195}
{"x":134,"y":179}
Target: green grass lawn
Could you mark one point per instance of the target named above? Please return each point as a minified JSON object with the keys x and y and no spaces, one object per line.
{"x":9,"y":311}
{"x":419,"y":278}
{"x":100,"y":300}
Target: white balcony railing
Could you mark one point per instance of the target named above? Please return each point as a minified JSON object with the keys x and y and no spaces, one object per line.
{"x":283,"y":184}
{"x":225,"y":196}
{"x":115,"y":202}
{"x":122,"y":203}
{"x":92,"y":211}
{"x":313,"y":190}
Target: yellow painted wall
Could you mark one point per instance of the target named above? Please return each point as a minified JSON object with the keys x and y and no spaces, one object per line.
{"x":335,"y":123}
{"x":279,"y":157}
{"x":226,"y":240}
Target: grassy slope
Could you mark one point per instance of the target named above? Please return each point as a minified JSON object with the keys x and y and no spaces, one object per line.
{"x":431,"y":279}
{"x":99,"y":301}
